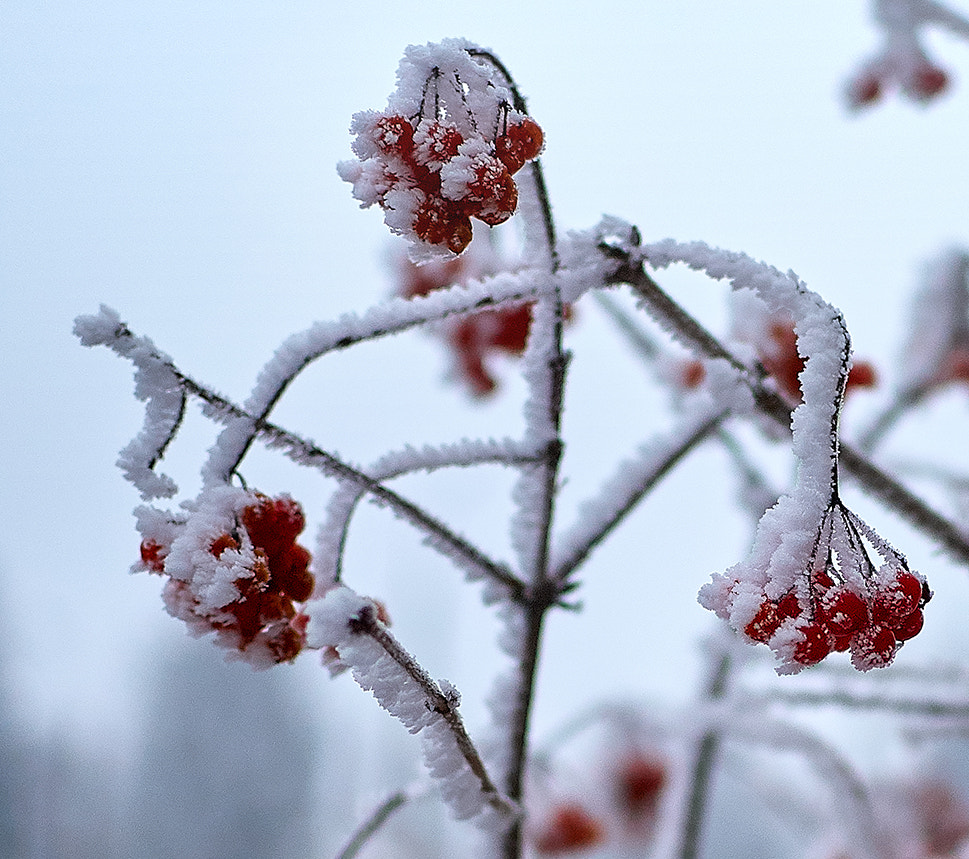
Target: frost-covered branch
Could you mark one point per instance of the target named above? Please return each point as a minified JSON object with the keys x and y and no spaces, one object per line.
{"x":333,"y":534}
{"x":106,"y":329}
{"x":633,"y":480}
{"x":348,"y":623}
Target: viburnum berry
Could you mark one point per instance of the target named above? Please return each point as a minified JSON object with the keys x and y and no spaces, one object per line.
{"x":927,"y":81}
{"x":770,"y":616}
{"x":394,"y":135}
{"x":153,"y":555}
{"x":570,"y":828}
{"x":898,"y":600}
{"x":864,"y":91}
{"x":521,"y":142}
{"x":440,"y":222}
{"x":815,"y":643}
{"x":639,"y":781}
{"x":874,"y":647}
{"x":910,"y":626}
{"x":436,"y":142}
{"x":844,"y":612}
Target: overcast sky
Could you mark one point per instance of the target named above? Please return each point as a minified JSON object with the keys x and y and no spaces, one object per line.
{"x":175,"y":160}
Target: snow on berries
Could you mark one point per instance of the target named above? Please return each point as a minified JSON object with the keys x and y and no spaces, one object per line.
{"x":444,"y":151}
{"x":840,"y":602}
{"x":235,"y":569}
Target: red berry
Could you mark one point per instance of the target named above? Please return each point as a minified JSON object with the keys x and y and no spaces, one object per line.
{"x":764,"y":623}
{"x":822,"y":579}
{"x":511,"y":330}
{"x":844,"y":612}
{"x":440,"y":222}
{"x":909,"y":626}
{"x":221,"y":543}
{"x":874,"y":647}
{"x":153,"y":555}
{"x":866,"y":91}
{"x":521,"y":142}
{"x":492,"y":196}
{"x":788,"y":605}
{"x":898,"y":600}
{"x":861,"y":375}
{"x":571,"y":828}
{"x":692,"y":374}
{"x":395,"y":135}
{"x":639,"y":781}
{"x":436,"y":142}
{"x":929,"y":81}
{"x":814,"y":645}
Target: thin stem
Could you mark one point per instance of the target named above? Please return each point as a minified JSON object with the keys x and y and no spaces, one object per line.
{"x":372,"y":824}
{"x":703,"y":765}
{"x":688,"y":441}
{"x":919,"y":705}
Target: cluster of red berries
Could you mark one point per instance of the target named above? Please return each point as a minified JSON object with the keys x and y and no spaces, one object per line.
{"x":872,"y":624}
{"x":501,"y":330}
{"x":262,"y":616}
{"x":431,"y":178}
{"x":922,"y":82}
{"x":637,"y":787}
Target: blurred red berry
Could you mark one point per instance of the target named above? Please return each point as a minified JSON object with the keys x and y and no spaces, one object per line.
{"x":571,"y":828}
{"x":639,"y":782}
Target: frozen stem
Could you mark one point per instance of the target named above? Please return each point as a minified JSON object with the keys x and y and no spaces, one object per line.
{"x":366,"y":623}
{"x":380,"y":815}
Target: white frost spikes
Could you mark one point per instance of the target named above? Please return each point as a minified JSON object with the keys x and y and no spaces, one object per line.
{"x":348,"y":624}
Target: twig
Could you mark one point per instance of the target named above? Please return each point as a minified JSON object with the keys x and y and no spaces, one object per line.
{"x":706,"y":754}
{"x":369,"y":827}
{"x":366,"y":623}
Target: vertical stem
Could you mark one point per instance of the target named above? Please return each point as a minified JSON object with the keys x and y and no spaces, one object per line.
{"x":706,"y":755}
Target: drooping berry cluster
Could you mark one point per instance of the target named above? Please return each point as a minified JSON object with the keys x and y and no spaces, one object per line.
{"x":434,"y":165}
{"x":241,"y":581}
{"x":841,"y":601}
{"x":871,"y":624}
